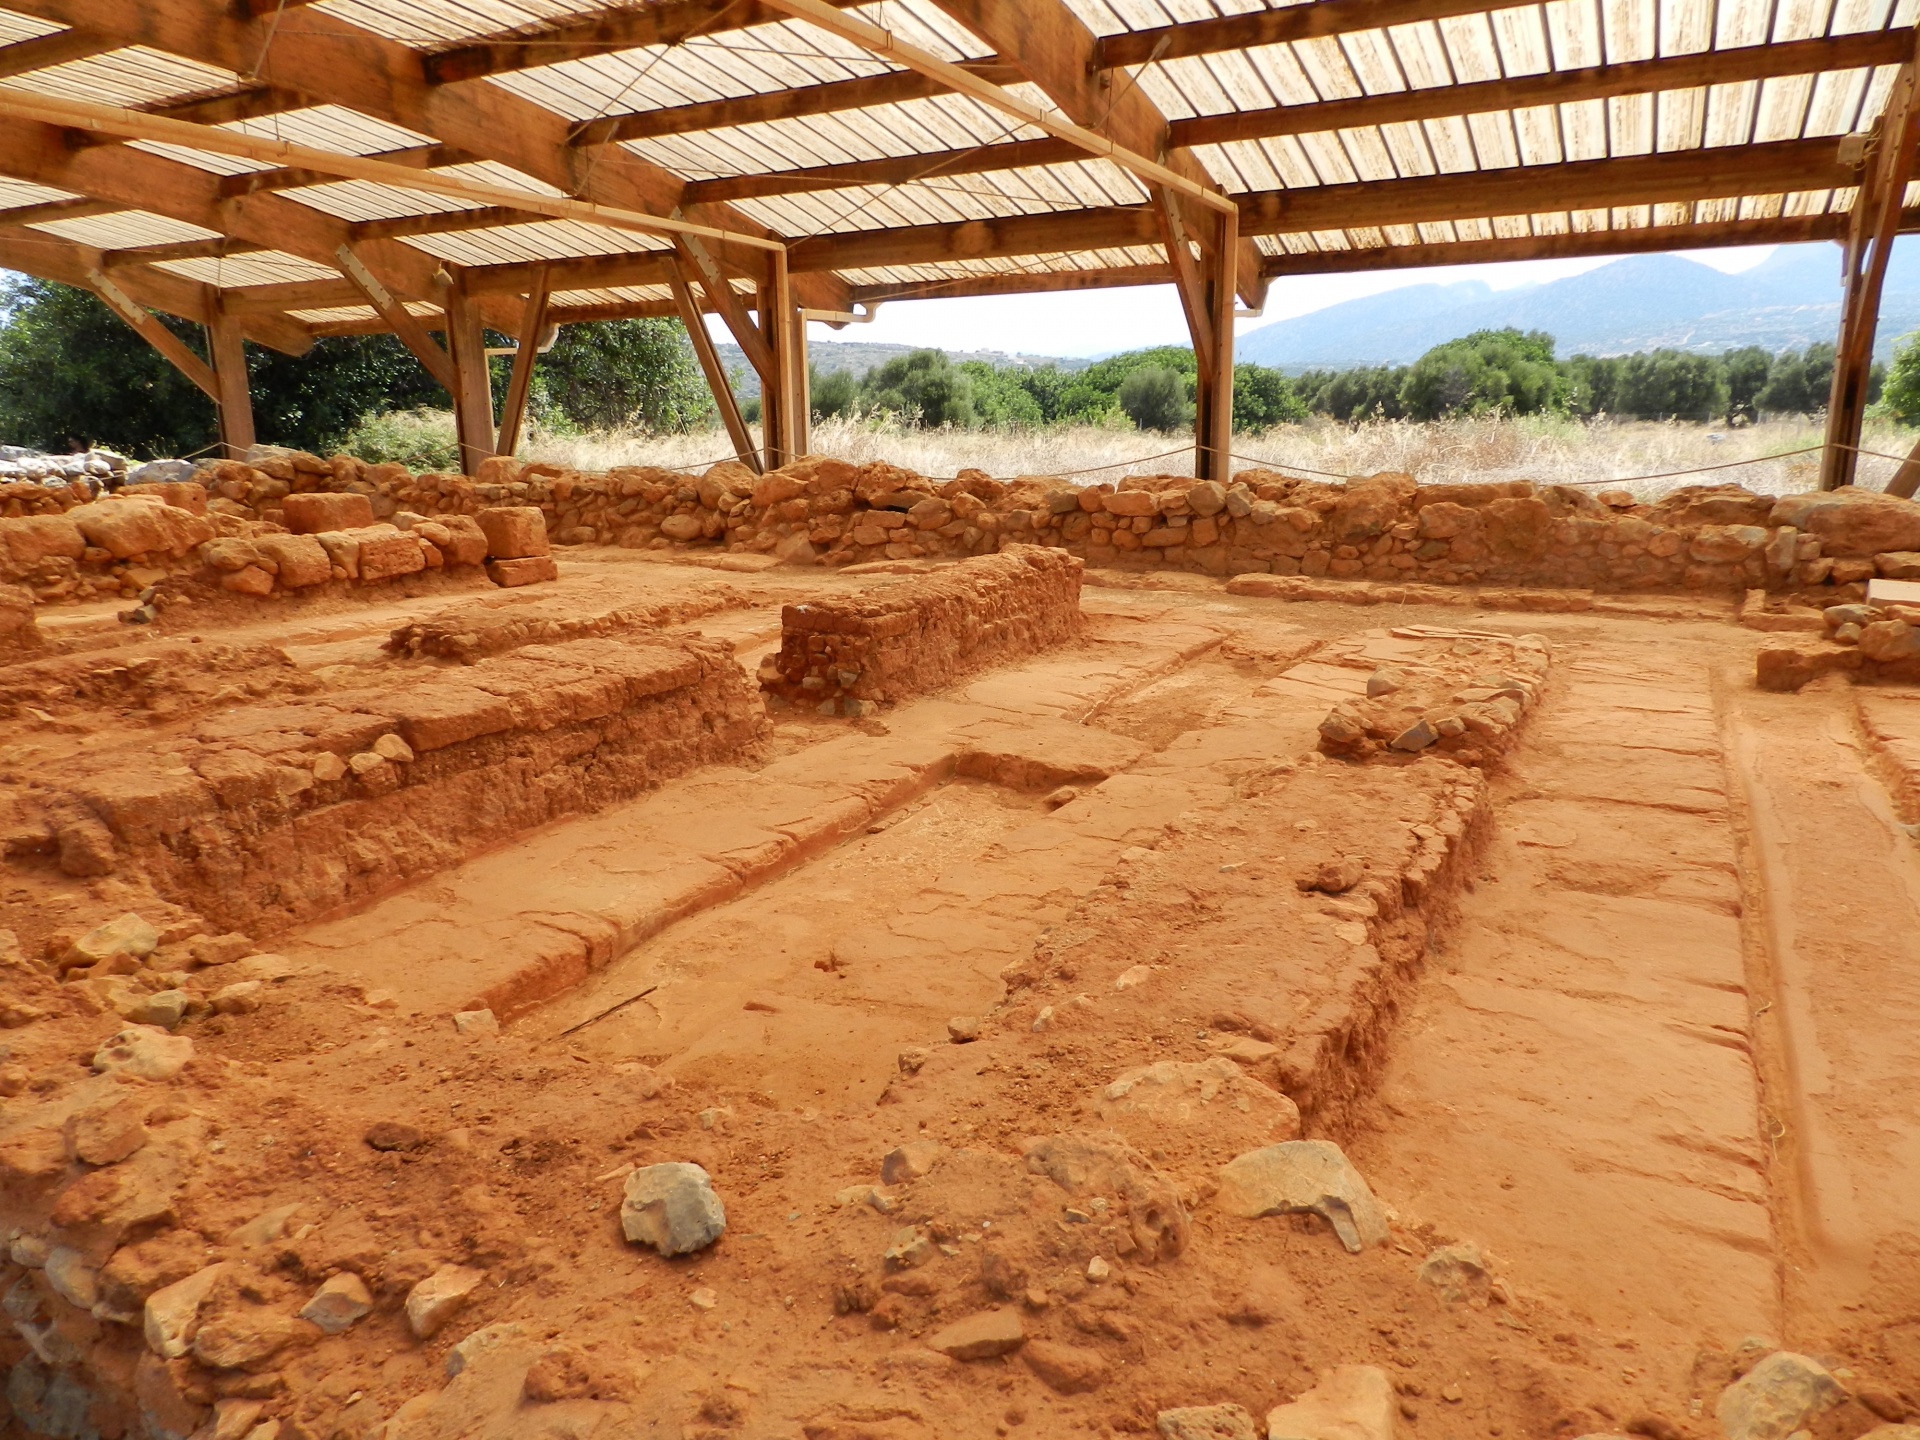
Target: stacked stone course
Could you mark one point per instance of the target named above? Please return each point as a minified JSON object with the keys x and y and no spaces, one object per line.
{"x":847,"y":654}
{"x":1714,"y":539}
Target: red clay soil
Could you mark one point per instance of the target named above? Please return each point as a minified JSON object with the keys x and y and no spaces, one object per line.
{"x":963,"y":1006}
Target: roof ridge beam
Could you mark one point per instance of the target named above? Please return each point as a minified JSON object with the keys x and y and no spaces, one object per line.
{"x":1555,"y":87}
{"x":43,"y":52}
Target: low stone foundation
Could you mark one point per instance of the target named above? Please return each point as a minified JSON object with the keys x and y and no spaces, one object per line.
{"x":908,"y":637}
{"x":273,"y":813}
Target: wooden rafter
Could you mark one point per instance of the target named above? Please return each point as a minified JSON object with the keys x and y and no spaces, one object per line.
{"x":885,"y":43}
{"x":45,"y":51}
{"x":1111,"y":277}
{"x":1556,"y":87}
{"x":896,"y":170}
{"x":444,"y":222}
{"x":81,"y":207}
{"x":254,"y":103}
{"x":294,"y":177}
{"x":671,"y":23}
{"x":831,"y":98}
{"x":218,"y":248}
{"x":409,"y":327}
{"x":335,"y":62}
{"x":1320,"y":20}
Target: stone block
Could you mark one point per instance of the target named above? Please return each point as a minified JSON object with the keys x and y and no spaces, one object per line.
{"x":387,"y":553}
{"x":514,"y":532}
{"x":313,"y":512}
{"x":527,"y":570}
{"x":302,"y":560}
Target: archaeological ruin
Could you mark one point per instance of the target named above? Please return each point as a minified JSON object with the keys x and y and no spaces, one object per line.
{"x":793,"y":949}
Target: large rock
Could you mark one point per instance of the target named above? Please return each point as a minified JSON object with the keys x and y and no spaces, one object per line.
{"x":432,"y":1302}
{"x":143,"y":1052}
{"x":980,"y":1337}
{"x":172,"y":1312}
{"x":27,"y":540}
{"x":1351,"y":1402}
{"x":129,"y":935}
{"x":301,"y":559}
{"x":514,"y":532}
{"x":1212,"y":1096}
{"x":324,"y":510}
{"x":1207,"y":1422}
{"x":146,"y":525}
{"x":1066,"y":1369}
{"x":1852,"y":522}
{"x":1304,"y":1176}
{"x":338,"y":1304}
{"x":1776,"y":1398}
{"x":672,"y":1207}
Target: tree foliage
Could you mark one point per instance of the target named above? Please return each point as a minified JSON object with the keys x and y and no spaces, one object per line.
{"x":638,"y":374}
{"x":1505,"y":370}
{"x":1155,"y":397}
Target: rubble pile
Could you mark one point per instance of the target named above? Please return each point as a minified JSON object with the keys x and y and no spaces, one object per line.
{"x":895,"y":640}
{"x":1467,"y":703}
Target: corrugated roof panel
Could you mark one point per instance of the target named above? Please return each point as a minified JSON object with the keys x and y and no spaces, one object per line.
{"x":1370,"y":56}
{"x":1470,"y":48}
{"x":1407,"y":144}
{"x":15,"y":193}
{"x":1574,"y":33}
{"x":1784,"y":102}
{"x":1629,"y":29}
{"x":1537,"y":133}
{"x":1680,"y":119}
{"x":125,"y":228}
{"x":1521,"y":37}
{"x":428,"y":24}
{"x":16,"y":27}
{"x":1325,"y":65}
{"x":1799,"y":19}
{"x":1730,"y":113}
{"x":1421,"y":54}
{"x":134,"y":77}
{"x":1630,"y":125}
{"x":1328,"y":159}
{"x":331,"y":127}
{"x":1493,"y":140}
{"x":1685,"y":26}
{"x":1451,"y":141}
{"x":1368,"y":155}
{"x":271,"y":268}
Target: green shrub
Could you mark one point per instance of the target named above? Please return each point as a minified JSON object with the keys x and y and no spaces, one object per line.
{"x":418,"y":439}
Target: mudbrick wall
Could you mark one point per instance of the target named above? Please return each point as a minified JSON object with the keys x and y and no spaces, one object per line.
{"x":266,"y":814}
{"x":846,"y":654}
{"x":1385,"y":527}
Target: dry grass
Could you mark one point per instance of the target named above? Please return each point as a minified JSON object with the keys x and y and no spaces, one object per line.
{"x":1633,"y":455}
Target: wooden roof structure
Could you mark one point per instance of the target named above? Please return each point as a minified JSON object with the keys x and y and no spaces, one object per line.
{"x":279,"y":170}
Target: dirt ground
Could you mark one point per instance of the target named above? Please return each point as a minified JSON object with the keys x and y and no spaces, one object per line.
{"x":964,"y":1007}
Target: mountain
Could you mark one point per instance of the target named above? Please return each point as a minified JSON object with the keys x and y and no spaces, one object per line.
{"x":1640,"y":302}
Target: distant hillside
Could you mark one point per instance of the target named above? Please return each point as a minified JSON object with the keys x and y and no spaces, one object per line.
{"x":860,"y":356}
{"x":1641,"y":302}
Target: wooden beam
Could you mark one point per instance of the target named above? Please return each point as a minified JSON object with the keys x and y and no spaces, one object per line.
{"x":1317,"y":20}
{"x":895,"y":170}
{"x":413,"y":334}
{"x":337,"y":62}
{"x":1056,"y":50}
{"x":726,"y":304}
{"x":556,"y":315}
{"x":473,"y":387}
{"x":718,"y":382}
{"x":43,"y":52}
{"x":532,"y":325}
{"x":1557,"y":87}
{"x":134,"y":125}
{"x":890,"y":46}
{"x":780,"y":321}
{"x":1640,"y":240}
{"x":1869,"y":245}
{"x":446,"y":222}
{"x":295,"y":177}
{"x":233,"y":398}
{"x":142,"y":322}
{"x":828,"y":99}
{"x":671,"y":23}
{"x":78,"y":208}
{"x":214,"y":249}
{"x":254,"y":103}
{"x":1113,"y":277}
{"x":1713,"y":173}
{"x":1187,"y":279}
{"x":1213,"y":415}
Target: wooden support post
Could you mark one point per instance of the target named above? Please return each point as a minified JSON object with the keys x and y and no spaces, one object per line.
{"x":1206,"y":287}
{"x":533,"y":324}
{"x":803,"y":384}
{"x":1869,"y":244}
{"x":773,"y":393}
{"x":142,"y":322}
{"x":473,"y":389}
{"x":782,"y":322}
{"x":1215,"y":416}
{"x":229,"y":352}
{"x":716,"y":373}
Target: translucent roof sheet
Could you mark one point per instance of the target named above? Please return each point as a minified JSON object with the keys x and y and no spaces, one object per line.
{"x":534,"y":77}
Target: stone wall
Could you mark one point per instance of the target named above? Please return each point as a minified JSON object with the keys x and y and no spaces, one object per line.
{"x":845,"y":654}
{"x":271,"y":813}
{"x":1720,"y":539}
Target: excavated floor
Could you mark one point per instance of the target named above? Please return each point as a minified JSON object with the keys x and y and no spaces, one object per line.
{"x":1637,"y":1021}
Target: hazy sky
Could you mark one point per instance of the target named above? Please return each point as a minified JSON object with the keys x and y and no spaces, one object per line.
{"x":1099,"y":322}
